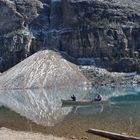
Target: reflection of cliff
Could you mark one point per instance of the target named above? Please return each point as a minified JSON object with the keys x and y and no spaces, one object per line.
{"x":40,"y":106}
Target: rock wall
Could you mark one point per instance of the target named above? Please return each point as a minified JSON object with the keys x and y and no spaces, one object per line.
{"x":107,"y":30}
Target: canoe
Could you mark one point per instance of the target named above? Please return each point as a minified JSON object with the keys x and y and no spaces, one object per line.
{"x":112,"y":136}
{"x":81,"y":102}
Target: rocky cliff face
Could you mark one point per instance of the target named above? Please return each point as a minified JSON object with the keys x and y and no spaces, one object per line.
{"x":104,"y":30}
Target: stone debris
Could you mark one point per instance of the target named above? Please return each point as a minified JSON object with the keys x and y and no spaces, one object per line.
{"x":44,"y":69}
{"x":102,"y":77}
{"x":7,"y":134}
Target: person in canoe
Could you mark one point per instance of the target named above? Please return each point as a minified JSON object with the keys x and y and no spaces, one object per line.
{"x":98,"y":97}
{"x":73,"y":97}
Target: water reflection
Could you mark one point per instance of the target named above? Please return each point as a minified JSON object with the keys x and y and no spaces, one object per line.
{"x":44,"y":106}
{"x":41,"y":106}
{"x":120,"y":114}
{"x":87,"y":110}
{"x":113,"y":92}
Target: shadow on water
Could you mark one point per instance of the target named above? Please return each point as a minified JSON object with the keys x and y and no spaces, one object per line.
{"x":41,"y":110}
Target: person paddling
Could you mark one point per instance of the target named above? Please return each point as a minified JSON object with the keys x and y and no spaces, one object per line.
{"x":73,"y":97}
{"x":98,"y":97}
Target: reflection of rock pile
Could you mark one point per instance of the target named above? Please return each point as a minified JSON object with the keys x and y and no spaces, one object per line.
{"x":43,"y":69}
{"x":40,"y":106}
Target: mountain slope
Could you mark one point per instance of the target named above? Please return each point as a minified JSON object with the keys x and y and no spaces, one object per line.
{"x":42,"y":70}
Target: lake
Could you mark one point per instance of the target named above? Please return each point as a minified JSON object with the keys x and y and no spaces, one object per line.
{"x":40,"y":110}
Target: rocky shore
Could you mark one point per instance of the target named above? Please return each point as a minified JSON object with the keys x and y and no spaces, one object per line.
{"x":7,"y":134}
{"x":102,"y":77}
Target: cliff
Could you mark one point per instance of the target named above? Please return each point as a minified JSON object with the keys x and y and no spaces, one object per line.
{"x":105,"y":32}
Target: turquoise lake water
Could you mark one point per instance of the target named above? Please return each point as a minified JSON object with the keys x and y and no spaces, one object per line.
{"x":41,"y":111}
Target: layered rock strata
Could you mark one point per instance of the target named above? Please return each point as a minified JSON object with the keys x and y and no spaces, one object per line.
{"x":106,"y":31}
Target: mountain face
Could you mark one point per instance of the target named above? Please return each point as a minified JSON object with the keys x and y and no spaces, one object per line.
{"x":106,"y":31}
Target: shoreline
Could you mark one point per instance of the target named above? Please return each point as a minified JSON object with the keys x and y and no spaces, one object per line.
{"x":8,"y":134}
